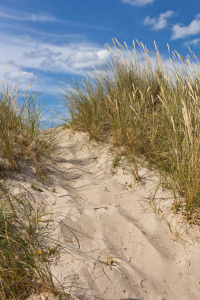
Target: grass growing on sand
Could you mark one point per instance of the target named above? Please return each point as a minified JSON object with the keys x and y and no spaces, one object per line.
{"x":148,"y":110}
{"x":24,"y":266}
{"x":20,"y":134}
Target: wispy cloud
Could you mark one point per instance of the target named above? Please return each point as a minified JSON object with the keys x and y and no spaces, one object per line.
{"x":138,"y":2}
{"x":160,"y":22}
{"x":194,"y":42}
{"x":180,"y":31}
{"x":14,"y":15}
{"x":45,"y":52}
{"x":22,"y":16}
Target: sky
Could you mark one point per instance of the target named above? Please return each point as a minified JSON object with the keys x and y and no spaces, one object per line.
{"x":50,"y":40}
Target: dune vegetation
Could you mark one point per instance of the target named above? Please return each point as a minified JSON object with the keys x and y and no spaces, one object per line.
{"x":151,"y":111}
{"x":24,"y":266}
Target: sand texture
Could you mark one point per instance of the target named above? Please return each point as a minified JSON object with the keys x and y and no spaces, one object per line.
{"x":117,"y":239}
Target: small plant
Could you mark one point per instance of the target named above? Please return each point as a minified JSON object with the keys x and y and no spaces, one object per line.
{"x":53,"y":250}
{"x":116,"y":161}
{"x":130,"y":185}
{"x":35,"y":188}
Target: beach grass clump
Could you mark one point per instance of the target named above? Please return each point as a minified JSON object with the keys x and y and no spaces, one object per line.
{"x":20,"y":134}
{"x":150,"y":109}
{"x":24,"y":250}
{"x":24,"y":266}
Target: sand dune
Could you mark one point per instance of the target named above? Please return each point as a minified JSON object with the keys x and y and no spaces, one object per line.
{"x":114,"y":244}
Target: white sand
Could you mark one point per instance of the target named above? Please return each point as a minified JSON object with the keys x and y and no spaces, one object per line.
{"x":113,"y":244}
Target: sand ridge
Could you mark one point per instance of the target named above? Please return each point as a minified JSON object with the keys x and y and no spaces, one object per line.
{"x":113,"y":245}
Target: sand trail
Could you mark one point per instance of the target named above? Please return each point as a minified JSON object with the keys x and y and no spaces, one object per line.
{"x":113,"y":245}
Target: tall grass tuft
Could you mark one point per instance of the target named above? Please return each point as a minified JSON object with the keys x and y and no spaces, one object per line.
{"x":20,"y":134}
{"x":149,"y":110}
{"x":24,"y":266}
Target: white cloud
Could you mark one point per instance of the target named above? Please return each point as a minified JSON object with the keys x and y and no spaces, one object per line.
{"x":149,"y":21}
{"x":194,"y":42}
{"x":180,"y":31}
{"x":159,"y":22}
{"x":82,"y":60}
{"x":50,"y":64}
{"x":138,"y":2}
{"x":41,"y":53}
{"x":66,"y":58}
{"x":22,"y":77}
{"x":34,"y":56}
{"x":103,"y":54}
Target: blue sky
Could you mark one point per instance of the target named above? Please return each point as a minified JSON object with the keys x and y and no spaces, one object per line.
{"x":64,"y":38}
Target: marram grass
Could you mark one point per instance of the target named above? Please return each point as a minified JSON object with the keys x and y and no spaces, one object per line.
{"x":20,"y":134}
{"x":24,"y":266}
{"x":150,"y":111}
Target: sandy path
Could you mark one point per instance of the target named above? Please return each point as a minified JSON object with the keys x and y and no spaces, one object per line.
{"x":113,"y":245}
